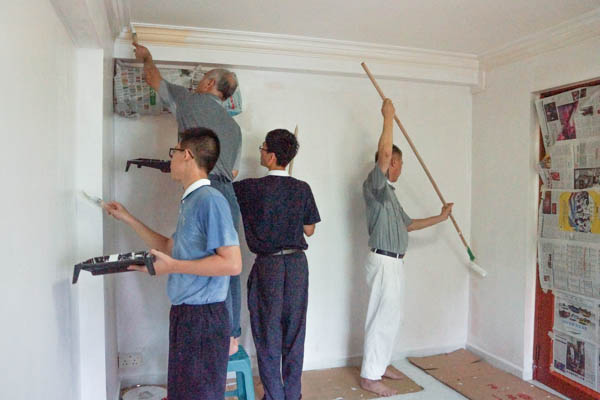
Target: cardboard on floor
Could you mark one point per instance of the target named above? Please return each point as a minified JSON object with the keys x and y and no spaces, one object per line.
{"x":340,"y":383}
{"x":475,"y":379}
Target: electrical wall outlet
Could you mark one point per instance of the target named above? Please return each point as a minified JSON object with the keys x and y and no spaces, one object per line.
{"x":130,"y":360}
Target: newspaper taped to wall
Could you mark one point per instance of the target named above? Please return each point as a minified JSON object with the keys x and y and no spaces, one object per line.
{"x":574,"y":114}
{"x":570,"y":215}
{"x":577,"y":316}
{"x":134,"y":97}
{"x":575,"y":359}
{"x":572,"y":165}
{"x":570,"y":266}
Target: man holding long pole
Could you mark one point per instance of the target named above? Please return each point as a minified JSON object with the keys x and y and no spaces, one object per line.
{"x":388,"y":226}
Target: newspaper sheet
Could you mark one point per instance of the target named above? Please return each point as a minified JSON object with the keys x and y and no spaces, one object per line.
{"x":577,"y":316}
{"x":574,"y":114}
{"x":570,"y":215}
{"x":134,"y":97}
{"x":570,"y":266}
{"x":575,"y":359}
{"x":572,"y":165}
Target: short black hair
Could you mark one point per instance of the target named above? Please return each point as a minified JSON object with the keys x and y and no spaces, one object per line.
{"x":284,"y":144}
{"x":204,"y":145}
{"x":395,"y":150}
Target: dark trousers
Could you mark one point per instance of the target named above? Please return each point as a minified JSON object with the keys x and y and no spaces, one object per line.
{"x":277,"y":300}
{"x":234,"y":294}
{"x":198,"y":352}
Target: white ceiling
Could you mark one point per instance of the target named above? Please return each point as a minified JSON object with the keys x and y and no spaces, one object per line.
{"x":466,"y":26}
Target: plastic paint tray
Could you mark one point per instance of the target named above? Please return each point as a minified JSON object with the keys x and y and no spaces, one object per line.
{"x":144,"y":392}
{"x":162,"y":165}
{"x":115,"y":263}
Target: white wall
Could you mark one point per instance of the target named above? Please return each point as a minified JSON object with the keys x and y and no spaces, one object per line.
{"x":339,"y":124}
{"x":504,"y":214}
{"x":39,"y":242}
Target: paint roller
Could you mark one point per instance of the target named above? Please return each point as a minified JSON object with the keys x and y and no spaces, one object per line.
{"x":291,"y":166}
{"x":472,"y":265}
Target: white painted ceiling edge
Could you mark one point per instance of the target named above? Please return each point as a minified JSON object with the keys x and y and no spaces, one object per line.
{"x":297,"y":53}
{"x":300,"y":53}
{"x":565,"y":34}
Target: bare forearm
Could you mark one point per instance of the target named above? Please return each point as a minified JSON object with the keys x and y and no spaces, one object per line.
{"x":386,"y":142}
{"x":422,"y":223}
{"x":153,"y":76}
{"x":215,"y":265}
{"x":153,"y":240}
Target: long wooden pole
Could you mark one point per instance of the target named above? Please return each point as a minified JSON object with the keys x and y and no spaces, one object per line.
{"x":292,"y":162}
{"x":414,"y":149}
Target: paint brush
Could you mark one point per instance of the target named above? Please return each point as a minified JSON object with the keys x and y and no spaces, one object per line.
{"x":94,"y":200}
{"x":134,"y":37}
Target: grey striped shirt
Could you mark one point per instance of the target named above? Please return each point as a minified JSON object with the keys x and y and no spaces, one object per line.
{"x":386,"y":218}
{"x":193,"y":110}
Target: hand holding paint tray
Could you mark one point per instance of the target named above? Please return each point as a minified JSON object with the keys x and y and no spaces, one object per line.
{"x":115,"y":263}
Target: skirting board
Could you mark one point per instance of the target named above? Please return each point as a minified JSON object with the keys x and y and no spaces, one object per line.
{"x":525,"y":374}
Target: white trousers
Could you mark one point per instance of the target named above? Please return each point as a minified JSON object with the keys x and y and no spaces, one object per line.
{"x":385,"y":277}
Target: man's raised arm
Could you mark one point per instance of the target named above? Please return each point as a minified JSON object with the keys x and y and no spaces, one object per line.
{"x":386,"y":140}
{"x":153,"y":77}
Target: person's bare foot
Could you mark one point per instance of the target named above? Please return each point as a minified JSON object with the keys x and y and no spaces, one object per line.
{"x":377,"y":387}
{"x":233,"y":346}
{"x":393,"y":373}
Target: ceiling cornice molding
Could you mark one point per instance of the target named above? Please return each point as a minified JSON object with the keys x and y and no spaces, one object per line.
{"x":567,"y":33}
{"x":91,"y":23}
{"x":275,"y":51}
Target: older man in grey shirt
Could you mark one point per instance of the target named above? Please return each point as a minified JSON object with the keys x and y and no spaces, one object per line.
{"x":203,"y":108}
{"x":388,"y":240}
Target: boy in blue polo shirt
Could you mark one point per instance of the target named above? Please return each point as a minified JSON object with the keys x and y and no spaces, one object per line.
{"x":199,"y":258}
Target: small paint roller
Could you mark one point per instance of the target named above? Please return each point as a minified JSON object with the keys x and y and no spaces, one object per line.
{"x":474,"y":267}
{"x":292,"y":162}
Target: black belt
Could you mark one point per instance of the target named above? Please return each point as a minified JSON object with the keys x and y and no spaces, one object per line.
{"x":387,"y":253}
{"x":281,"y":252}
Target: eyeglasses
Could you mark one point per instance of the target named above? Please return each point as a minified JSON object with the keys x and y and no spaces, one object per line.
{"x":262,"y":148}
{"x":172,"y":151}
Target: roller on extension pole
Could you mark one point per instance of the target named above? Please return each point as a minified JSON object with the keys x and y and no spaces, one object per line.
{"x":472,"y":265}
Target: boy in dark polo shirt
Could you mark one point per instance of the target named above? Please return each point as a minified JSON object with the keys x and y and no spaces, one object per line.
{"x":277,"y":212}
{"x":199,"y":258}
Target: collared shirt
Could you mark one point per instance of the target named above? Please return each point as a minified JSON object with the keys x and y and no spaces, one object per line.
{"x":278,"y":172}
{"x":275,"y":209}
{"x":386,"y":218}
{"x":193,"y":110}
{"x":195,"y":185}
{"x":203,"y":226}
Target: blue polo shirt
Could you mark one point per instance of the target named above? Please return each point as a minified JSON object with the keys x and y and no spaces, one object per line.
{"x":204,"y":225}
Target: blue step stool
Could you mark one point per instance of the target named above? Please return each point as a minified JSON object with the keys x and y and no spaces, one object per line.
{"x":240,"y":364}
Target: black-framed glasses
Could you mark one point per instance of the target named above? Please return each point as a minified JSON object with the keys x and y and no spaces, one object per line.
{"x":263,"y":148}
{"x":172,"y":151}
